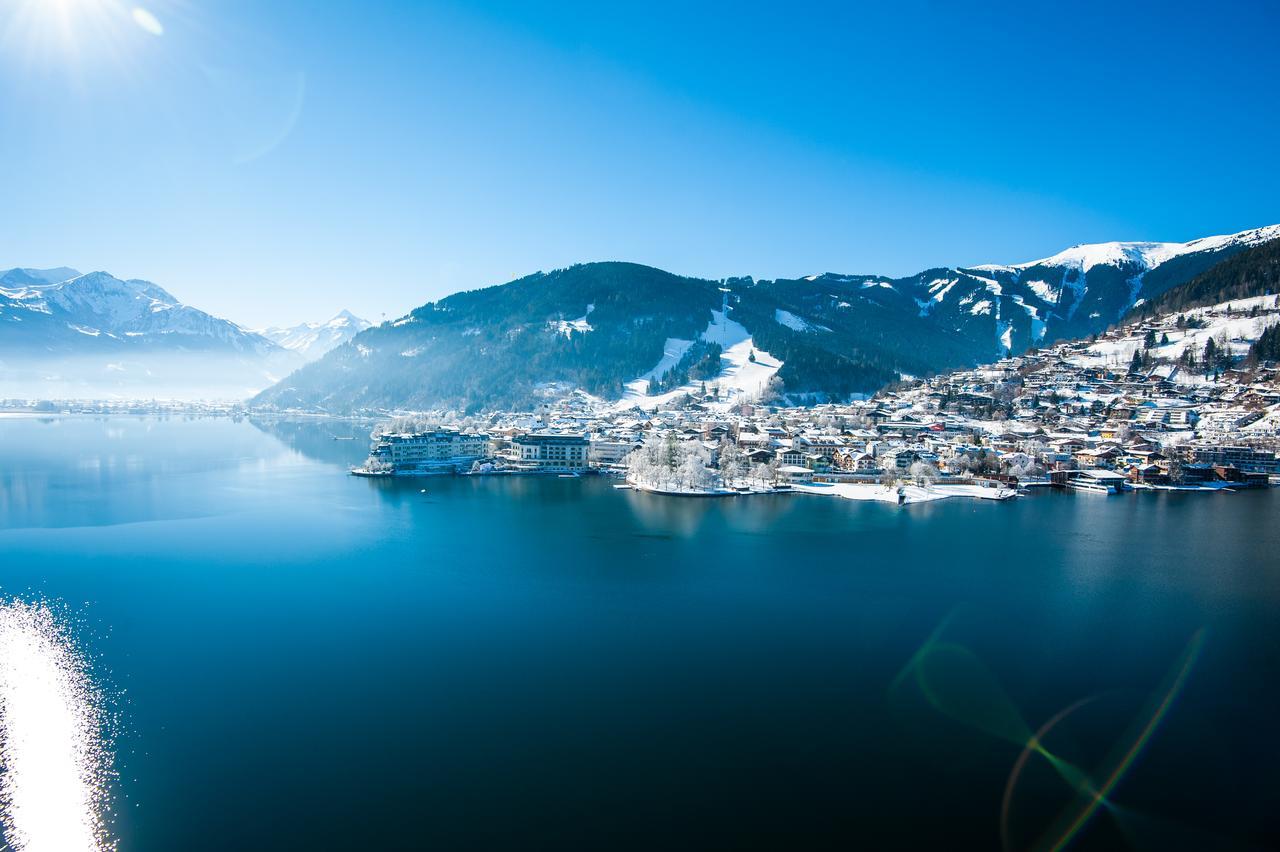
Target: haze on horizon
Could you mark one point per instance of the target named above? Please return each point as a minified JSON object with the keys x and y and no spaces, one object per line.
{"x":273,"y":163}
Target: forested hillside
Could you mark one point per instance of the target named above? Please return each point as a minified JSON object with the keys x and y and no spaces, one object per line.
{"x":598,"y":326}
{"x":622,"y":330}
{"x":1253,"y":272}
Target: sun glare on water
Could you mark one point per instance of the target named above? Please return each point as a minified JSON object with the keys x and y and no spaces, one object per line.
{"x":54,"y":757}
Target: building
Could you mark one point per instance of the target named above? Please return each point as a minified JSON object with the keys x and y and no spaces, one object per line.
{"x":444,"y":449}
{"x":791,"y":457}
{"x":610,"y":452}
{"x":1244,"y":458}
{"x":551,"y":451}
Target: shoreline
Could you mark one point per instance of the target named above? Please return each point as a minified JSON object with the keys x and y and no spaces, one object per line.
{"x":903,"y":495}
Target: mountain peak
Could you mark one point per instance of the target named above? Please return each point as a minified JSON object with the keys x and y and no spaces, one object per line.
{"x":1085,"y":256}
{"x":345,"y":317}
{"x":313,"y":339}
{"x":27,"y":276}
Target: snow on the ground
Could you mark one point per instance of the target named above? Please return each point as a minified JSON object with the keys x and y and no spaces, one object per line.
{"x":1240,"y":332}
{"x":1267,"y":424}
{"x":911,"y":493}
{"x":741,"y":380}
{"x":1147,"y":255}
{"x":938,"y":290}
{"x":672,"y":351}
{"x":1086,"y":257}
{"x":568,"y":327}
{"x":1037,"y":324}
{"x":796,"y":323}
{"x":1046,"y":291}
{"x":993,"y":286}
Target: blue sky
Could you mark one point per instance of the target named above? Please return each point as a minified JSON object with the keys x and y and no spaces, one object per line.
{"x":275,"y":162}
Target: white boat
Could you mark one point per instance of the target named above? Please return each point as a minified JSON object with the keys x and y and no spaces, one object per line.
{"x":1098,"y":481}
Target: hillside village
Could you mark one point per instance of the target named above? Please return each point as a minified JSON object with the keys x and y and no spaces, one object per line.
{"x":1173,"y":402}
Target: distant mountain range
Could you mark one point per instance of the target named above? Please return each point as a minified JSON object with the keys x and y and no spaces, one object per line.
{"x":64,"y":333}
{"x":313,"y":339}
{"x":98,"y":311}
{"x":619,"y":331}
{"x":635,"y":334}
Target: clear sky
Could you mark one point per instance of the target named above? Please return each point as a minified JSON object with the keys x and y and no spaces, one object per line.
{"x":273,"y":162}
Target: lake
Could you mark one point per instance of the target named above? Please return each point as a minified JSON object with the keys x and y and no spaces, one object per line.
{"x":298,"y":658}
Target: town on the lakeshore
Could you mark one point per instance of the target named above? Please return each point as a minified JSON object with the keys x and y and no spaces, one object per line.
{"x":1174,"y":403}
{"x":1141,"y":407}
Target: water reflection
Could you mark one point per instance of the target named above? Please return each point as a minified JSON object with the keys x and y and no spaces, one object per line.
{"x":709,"y":670}
{"x":338,"y":442}
{"x":99,"y":471}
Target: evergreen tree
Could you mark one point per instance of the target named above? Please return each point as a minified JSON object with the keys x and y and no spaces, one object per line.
{"x":1255,"y":271}
{"x":1267,"y":346}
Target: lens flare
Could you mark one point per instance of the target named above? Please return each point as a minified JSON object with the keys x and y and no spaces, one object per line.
{"x":147,"y":21}
{"x":54,"y":791}
{"x":77,"y":37}
{"x":1033,"y":747}
{"x":956,"y":683}
{"x":1077,"y":816}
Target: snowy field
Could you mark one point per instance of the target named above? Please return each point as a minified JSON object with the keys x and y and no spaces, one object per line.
{"x":911,"y":493}
{"x":847,"y":490}
{"x":741,"y":380}
{"x":1239,"y":330}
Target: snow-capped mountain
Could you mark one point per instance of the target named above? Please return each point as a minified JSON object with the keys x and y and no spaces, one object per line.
{"x":96,"y":334}
{"x":313,"y":339}
{"x":619,"y":331}
{"x":627,"y":332}
{"x":19,"y":277}
{"x":57,"y":316}
{"x":1074,"y":293}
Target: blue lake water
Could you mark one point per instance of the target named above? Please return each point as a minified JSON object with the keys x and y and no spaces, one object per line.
{"x":304,"y":659}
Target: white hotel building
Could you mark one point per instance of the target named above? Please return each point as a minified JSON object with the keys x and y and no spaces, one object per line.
{"x":442,"y":449}
{"x":550,"y":451}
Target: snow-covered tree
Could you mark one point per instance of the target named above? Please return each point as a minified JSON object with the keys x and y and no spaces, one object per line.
{"x":923,"y":472}
{"x":730,"y":461}
{"x":1024,"y":467}
{"x":670,"y":465}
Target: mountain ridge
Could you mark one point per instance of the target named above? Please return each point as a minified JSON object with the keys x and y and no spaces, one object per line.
{"x":600,"y":327}
{"x":97,"y":335}
{"x":312,"y":340}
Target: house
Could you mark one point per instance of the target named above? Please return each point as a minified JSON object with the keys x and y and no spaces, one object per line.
{"x":602,"y":452}
{"x":791,"y":456}
{"x":851,"y":461}
{"x":900,"y":459}
{"x":795,"y":473}
{"x":817,"y":461}
{"x":551,"y":451}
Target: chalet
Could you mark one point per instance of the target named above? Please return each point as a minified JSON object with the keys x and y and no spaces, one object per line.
{"x":790,"y":456}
